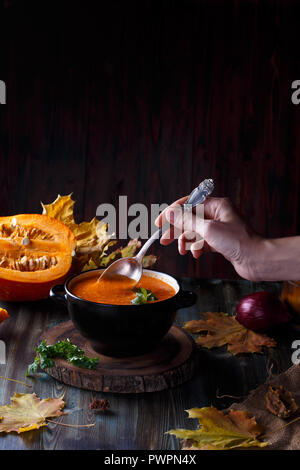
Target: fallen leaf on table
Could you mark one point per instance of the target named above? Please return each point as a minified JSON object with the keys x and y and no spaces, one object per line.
{"x":280,"y":402}
{"x":188,"y":445}
{"x":221,"y":431}
{"x":100,"y":404}
{"x":219,"y":329}
{"x":27,"y":412}
{"x":3,"y":315}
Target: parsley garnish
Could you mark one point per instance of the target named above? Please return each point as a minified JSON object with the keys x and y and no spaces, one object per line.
{"x":62,"y":349}
{"x":142,"y":296}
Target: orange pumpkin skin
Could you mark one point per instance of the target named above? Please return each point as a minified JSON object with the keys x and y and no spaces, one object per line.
{"x":13,"y":291}
{"x":35,"y":254}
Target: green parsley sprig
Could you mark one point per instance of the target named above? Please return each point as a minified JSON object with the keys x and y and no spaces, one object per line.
{"x":64,"y":350}
{"x":142,"y":296}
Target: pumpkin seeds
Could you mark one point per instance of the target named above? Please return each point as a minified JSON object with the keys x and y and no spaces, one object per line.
{"x":15,"y":230}
{"x":25,"y":263}
{"x":13,"y":223}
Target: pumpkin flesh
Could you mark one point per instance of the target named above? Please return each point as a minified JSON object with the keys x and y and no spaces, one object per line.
{"x":35,"y":253}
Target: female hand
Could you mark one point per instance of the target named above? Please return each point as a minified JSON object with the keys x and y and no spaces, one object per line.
{"x":222,"y":229}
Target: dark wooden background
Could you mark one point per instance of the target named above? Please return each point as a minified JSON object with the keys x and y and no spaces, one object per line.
{"x":145,"y":99}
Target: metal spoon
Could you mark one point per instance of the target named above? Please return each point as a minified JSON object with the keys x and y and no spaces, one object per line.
{"x":132,"y":267}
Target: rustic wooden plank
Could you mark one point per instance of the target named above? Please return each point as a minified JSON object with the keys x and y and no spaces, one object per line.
{"x":136,"y":422}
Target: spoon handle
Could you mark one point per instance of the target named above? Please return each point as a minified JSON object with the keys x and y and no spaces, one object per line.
{"x":197,"y":196}
{"x":156,"y":235}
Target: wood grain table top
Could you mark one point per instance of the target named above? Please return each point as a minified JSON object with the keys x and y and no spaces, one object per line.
{"x":135,"y":421}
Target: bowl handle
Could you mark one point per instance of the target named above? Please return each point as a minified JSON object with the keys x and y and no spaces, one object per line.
{"x":186,"y":299}
{"x":56,"y":294}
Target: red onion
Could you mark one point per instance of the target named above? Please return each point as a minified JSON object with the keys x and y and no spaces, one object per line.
{"x":262,"y":311}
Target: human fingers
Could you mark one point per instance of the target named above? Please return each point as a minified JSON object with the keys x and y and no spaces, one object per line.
{"x":184,"y":221}
{"x":198,"y":248}
{"x":161,"y":219}
{"x":220,"y":208}
{"x":184,"y":242}
{"x":168,"y":236}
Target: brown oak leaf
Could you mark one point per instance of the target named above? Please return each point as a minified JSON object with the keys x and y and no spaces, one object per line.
{"x":280,"y":402}
{"x":27,"y":412}
{"x":219,"y":329}
{"x":218,"y":430}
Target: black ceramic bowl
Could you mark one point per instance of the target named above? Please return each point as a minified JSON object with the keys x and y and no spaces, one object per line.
{"x":123,"y":330}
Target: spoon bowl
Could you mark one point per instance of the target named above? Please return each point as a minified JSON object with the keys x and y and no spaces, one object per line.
{"x":130,"y":268}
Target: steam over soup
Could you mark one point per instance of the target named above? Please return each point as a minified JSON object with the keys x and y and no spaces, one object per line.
{"x":119,"y":290}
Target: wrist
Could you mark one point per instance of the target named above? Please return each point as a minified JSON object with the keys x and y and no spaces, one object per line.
{"x":248,"y":264}
{"x":255,"y":262}
{"x":260,"y":257}
{"x":276,"y":259}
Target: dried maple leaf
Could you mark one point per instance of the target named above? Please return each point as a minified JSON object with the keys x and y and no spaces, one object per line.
{"x":3,"y":314}
{"x":149,"y":261}
{"x":100,"y":405}
{"x":188,"y":445}
{"x":280,"y":402}
{"x":219,"y":329}
{"x":221,"y":431}
{"x":27,"y":412}
{"x":120,"y":252}
{"x":127,"y":251}
{"x":92,"y":238}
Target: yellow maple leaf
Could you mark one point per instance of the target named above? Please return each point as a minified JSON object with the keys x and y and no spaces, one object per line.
{"x":92,"y":239}
{"x":61,"y":209}
{"x":27,"y":412}
{"x":219,"y":329}
{"x":220,"y":431}
{"x":125,"y":252}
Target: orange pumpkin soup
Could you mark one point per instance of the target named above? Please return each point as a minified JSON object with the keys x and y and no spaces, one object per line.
{"x":119,"y":290}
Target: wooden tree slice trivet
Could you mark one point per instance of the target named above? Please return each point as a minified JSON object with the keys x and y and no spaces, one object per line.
{"x":169,"y":365}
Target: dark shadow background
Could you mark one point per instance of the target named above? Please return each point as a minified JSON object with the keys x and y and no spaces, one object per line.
{"x":147,"y":98}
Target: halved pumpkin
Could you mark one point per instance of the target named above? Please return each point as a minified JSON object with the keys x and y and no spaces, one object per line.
{"x":35,"y":253}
